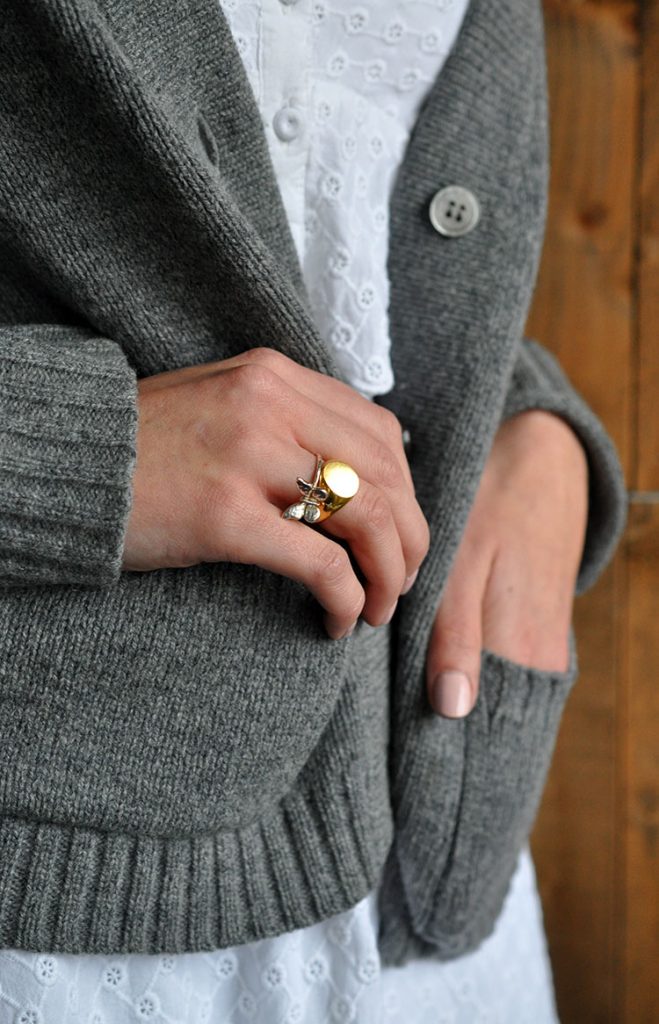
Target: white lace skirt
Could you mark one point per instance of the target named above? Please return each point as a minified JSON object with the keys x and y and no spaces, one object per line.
{"x":329,"y":972}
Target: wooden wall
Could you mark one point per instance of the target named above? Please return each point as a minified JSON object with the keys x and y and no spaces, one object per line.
{"x":596,"y":842}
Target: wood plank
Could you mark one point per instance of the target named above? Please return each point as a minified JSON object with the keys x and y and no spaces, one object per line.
{"x":584,"y":311}
{"x":647,"y":426}
{"x":641,"y":822}
{"x":584,"y":303}
{"x":574,"y":841}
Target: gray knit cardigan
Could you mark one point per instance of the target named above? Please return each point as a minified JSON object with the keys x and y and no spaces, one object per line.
{"x":186,"y":760}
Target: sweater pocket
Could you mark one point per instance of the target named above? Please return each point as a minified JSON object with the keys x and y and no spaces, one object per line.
{"x":458,"y":837}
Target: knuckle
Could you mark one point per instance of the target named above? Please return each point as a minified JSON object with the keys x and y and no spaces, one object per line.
{"x":332,"y":567}
{"x":377,"y":511}
{"x":391,"y":424}
{"x":456,"y":637}
{"x":268,"y":357}
{"x":387,"y":468}
{"x":351,"y":607}
{"x":421,"y":543}
{"x":256,"y":381}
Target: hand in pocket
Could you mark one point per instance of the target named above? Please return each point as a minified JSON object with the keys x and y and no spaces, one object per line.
{"x":512,"y":584}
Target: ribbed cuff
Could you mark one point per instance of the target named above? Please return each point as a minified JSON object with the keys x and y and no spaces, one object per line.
{"x":68,"y":422}
{"x":539,"y":382}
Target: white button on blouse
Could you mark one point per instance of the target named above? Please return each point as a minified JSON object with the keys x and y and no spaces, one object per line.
{"x":287,"y":123}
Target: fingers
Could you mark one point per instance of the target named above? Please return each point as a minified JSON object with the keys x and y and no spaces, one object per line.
{"x":496,"y":599}
{"x":258,"y":433}
{"x":453,"y":660}
{"x":324,"y":415}
{"x":295,"y":550}
{"x":367,"y":522}
{"x":527,"y":609}
{"x":375,"y":463}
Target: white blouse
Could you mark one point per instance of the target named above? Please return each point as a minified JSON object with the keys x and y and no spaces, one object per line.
{"x":339,"y":86}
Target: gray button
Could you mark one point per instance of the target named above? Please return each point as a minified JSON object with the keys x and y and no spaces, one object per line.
{"x":287,"y":123}
{"x":288,"y":3}
{"x":454,"y":211}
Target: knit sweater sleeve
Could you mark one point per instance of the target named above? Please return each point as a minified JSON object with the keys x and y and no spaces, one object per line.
{"x":68,"y":417}
{"x":539,"y":382}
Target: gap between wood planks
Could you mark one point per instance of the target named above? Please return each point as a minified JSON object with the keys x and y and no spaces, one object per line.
{"x":643,"y":497}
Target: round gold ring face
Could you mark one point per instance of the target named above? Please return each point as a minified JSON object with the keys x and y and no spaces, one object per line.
{"x":340,"y":478}
{"x":333,"y":485}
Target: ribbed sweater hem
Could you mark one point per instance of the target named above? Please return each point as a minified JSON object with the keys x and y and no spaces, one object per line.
{"x":72,"y":889}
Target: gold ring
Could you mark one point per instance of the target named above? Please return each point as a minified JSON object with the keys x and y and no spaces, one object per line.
{"x":333,"y":485}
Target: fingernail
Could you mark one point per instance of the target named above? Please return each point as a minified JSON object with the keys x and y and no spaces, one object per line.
{"x":390,"y":614}
{"x":452,"y":694}
{"x":334,"y":627}
{"x":409,"y":581}
{"x":349,"y":631}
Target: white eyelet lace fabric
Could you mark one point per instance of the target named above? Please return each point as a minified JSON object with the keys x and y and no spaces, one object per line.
{"x":329,"y":973}
{"x":339,"y":87}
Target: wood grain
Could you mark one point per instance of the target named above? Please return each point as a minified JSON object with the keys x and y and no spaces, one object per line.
{"x":647,"y":412}
{"x":640,"y":824}
{"x":585,"y":311}
{"x":640,"y":820}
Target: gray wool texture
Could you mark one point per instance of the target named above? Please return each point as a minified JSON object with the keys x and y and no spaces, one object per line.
{"x":186,"y":760}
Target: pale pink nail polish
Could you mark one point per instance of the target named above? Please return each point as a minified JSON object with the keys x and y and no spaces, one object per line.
{"x":452,"y":695}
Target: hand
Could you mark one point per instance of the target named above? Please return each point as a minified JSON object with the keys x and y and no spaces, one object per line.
{"x":219,"y":447}
{"x":512,"y":583}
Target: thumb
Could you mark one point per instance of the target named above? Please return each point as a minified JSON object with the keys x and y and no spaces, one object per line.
{"x":454,"y":652}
